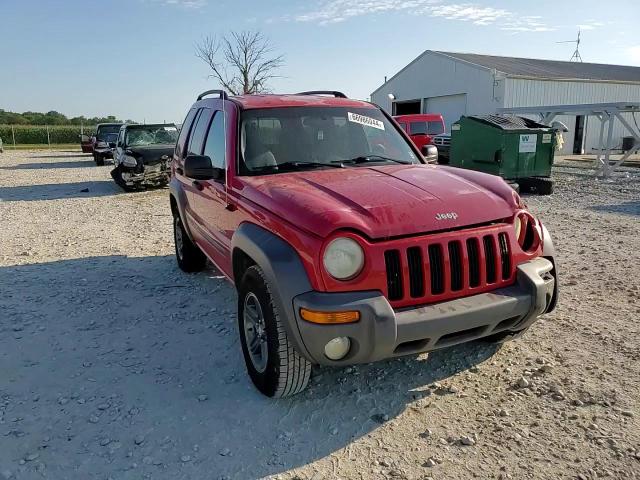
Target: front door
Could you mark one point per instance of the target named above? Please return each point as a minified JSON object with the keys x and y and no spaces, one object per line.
{"x":119,"y":150}
{"x":211,"y":206}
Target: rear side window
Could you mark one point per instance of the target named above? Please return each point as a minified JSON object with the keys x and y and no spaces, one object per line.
{"x":184,"y":133}
{"x":196,"y":142}
{"x":214,"y":148}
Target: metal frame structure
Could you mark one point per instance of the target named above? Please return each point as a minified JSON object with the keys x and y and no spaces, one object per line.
{"x":607,"y":113}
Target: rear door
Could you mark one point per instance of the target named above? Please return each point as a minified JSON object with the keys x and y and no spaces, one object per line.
{"x":177,"y":165}
{"x":195,"y":145}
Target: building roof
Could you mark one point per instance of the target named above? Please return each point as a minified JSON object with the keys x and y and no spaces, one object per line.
{"x":551,"y":69}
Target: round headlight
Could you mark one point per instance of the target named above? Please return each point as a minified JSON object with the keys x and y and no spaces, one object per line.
{"x":129,"y":161}
{"x":343,"y":258}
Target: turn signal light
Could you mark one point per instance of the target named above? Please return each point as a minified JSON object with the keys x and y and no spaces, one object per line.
{"x":329,"y":317}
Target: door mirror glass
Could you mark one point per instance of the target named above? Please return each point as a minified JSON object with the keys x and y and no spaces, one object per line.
{"x":199,"y":167}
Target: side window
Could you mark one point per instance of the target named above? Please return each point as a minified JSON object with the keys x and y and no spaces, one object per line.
{"x":214,"y":147}
{"x":418,"y":128}
{"x":184,"y":132}
{"x":196,"y":142}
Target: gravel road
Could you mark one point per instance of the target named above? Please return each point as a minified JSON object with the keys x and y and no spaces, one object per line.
{"x":115,"y":365}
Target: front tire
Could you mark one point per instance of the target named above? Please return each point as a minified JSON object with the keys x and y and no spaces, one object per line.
{"x":273,"y":364}
{"x":189,"y":256}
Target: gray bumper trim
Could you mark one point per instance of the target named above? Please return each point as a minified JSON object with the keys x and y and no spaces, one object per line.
{"x":383,"y":332}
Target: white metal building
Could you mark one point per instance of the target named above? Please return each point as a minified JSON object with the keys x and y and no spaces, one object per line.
{"x":456,"y":84}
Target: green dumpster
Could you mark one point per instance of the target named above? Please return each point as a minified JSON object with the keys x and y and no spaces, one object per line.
{"x":518,"y":149}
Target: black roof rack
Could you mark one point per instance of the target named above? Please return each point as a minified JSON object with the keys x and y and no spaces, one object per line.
{"x":223,"y":95}
{"x":324,"y":92}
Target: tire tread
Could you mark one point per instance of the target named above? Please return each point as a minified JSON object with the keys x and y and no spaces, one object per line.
{"x":295,"y":370}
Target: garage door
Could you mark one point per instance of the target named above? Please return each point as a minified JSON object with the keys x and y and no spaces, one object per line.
{"x":450,"y":106}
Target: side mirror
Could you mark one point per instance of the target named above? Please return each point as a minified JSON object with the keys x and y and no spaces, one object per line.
{"x":199,"y":167}
{"x":430,"y":153}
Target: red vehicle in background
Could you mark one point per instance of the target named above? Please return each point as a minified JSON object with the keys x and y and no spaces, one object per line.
{"x":422,"y":127}
{"x":86,"y":144}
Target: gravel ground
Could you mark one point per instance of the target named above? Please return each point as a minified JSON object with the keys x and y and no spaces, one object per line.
{"x":114,"y":364}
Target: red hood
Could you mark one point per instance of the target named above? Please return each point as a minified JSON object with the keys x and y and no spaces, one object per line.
{"x":380,"y":202}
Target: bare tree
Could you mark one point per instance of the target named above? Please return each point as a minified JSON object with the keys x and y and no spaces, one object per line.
{"x":243,"y":62}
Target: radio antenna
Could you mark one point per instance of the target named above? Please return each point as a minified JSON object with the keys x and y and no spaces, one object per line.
{"x":576,"y":54}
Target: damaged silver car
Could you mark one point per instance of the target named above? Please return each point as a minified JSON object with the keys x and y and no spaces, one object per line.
{"x":142,"y":155}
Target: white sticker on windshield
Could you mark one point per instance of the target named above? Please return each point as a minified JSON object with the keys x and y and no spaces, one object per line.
{"x":170,"y":129}
{"x":363,"y":120}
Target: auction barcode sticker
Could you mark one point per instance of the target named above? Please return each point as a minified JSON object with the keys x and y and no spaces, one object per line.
{"x":364,"y":120}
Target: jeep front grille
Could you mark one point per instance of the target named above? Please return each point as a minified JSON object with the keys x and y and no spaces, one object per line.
{"x":394,"y":274}
{"x":416,"y":277}
{"x":433,"y":268}
{"x":490,"y":258}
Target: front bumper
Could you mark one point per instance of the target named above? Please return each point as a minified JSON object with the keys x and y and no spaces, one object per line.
{"x":443,"y":151}
{"x":157,"y":173}
{"x":383,"y":332}
{"x":104,"y":152}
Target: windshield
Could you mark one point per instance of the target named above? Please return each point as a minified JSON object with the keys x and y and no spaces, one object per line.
{"x":275,"y":139}
{"x":151,"y":135}
{"x":108,"y":137}
{"x":105,"y":130}
{"x":426,"y":128}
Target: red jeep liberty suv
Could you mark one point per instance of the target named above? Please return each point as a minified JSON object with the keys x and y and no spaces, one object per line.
{"x":343,"y":245}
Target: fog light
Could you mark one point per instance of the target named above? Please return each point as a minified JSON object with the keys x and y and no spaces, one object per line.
{"x":337,"y":348}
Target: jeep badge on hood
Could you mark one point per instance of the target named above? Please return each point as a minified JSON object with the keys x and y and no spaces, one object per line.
{"x":447,"y":216}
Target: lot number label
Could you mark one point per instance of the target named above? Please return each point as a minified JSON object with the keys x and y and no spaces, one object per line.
{"x":364,"y":120}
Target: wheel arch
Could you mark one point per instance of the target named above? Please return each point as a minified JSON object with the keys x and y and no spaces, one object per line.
{"x":178,"y":202}
{"x":282,"y":268}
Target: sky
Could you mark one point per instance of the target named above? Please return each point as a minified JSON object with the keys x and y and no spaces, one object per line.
{"x":135,"y":58}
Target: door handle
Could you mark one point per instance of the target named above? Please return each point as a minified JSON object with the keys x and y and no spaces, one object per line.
{"x":198,"y":185}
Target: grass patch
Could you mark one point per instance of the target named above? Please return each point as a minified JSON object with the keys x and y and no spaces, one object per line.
{"x":30,"y":146}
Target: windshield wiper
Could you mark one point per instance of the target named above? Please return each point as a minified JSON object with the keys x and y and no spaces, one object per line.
{"x":297,"y":165}
{"x":372,"y":158}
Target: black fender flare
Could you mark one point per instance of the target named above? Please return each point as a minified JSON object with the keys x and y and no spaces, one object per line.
{"x":180,"y":197}
{"x":283,"y":270}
